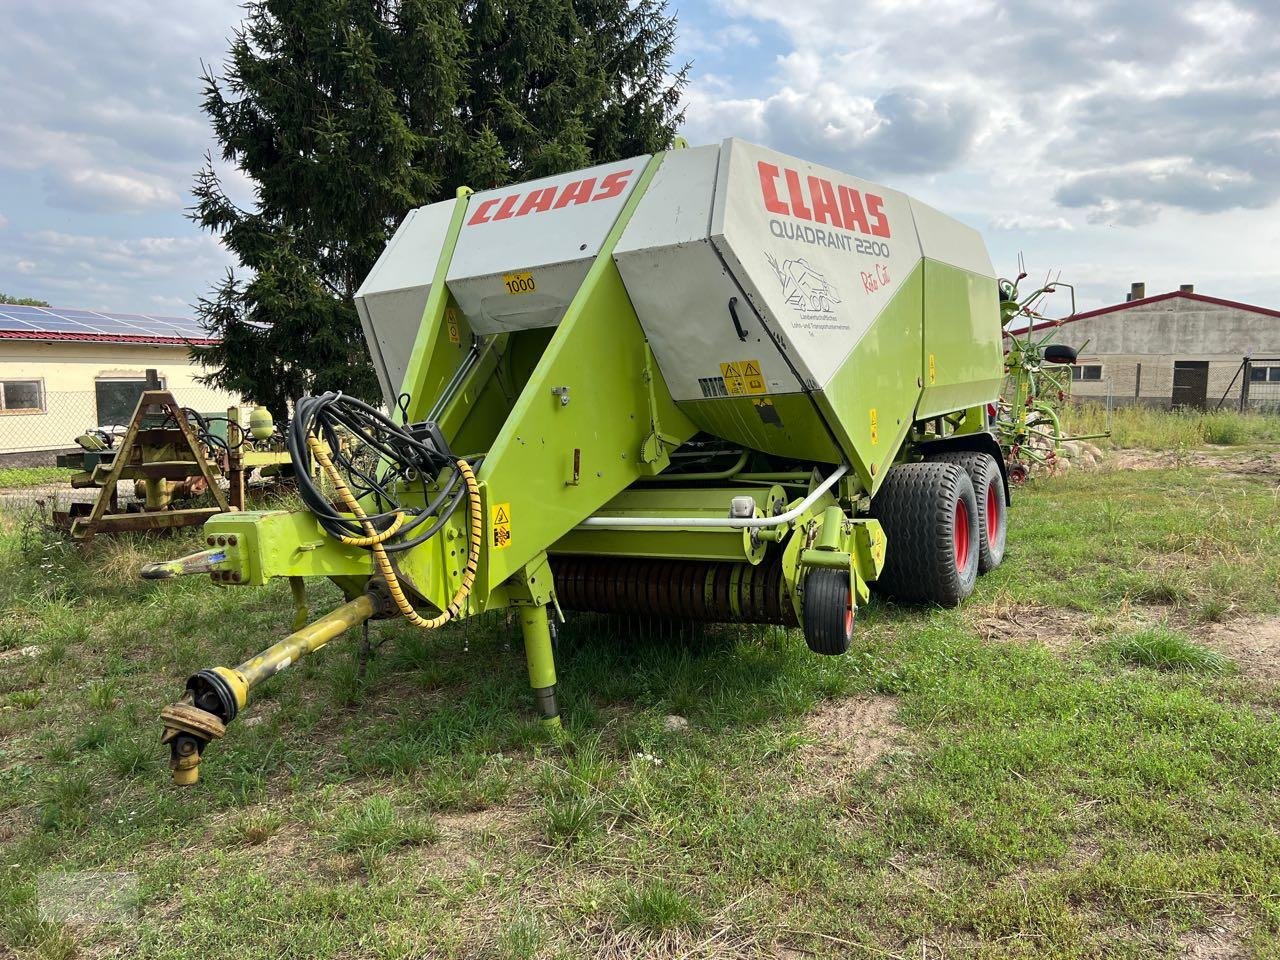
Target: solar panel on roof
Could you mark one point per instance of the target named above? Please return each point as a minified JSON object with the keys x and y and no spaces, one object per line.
{"x":24,"y":313}
{"x":58,"y":320}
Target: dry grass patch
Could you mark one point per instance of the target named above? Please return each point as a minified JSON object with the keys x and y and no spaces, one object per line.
{"x":1253,"y":643}
{"x":1234,"y":463}
{"x":1056,"y":628}
{"x":1222,"y":941}
{"x":845,"y":736}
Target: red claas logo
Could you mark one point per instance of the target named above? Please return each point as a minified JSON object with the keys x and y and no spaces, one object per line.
{"x":550,"y":198}
{"x":817,"y":199}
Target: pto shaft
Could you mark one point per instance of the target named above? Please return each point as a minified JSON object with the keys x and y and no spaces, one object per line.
{"x":216,"y":695}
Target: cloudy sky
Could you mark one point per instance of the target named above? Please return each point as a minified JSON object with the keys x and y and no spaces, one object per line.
{"x":1110,"y":141}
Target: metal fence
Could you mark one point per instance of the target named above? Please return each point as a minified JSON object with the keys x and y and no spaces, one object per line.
{"x":34,"y":435}
{"x":1256,"y":386}
{"x":47,"y":423}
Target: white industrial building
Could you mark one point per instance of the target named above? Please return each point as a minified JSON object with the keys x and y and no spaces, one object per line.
{"x":1181,"y":349}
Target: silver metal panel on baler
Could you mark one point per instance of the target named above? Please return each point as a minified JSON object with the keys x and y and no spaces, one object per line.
{"x":679,"y":288}
{"x":392,"y":298}
{"x":821,"y":284}
{"x":557,"y":245}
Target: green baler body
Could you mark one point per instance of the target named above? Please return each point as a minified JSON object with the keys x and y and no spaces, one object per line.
{"x":577,"y":331}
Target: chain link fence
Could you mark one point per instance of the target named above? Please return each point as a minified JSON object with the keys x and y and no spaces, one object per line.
{"x":1258,"y":389}
{"x":41,"y":427}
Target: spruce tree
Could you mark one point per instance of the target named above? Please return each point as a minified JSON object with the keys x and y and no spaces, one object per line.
{"x":346,"y":114}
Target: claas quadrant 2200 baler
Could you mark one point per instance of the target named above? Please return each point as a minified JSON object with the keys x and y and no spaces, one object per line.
{"x":716,"y":384}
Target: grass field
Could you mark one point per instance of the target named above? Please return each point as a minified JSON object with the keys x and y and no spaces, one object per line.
{"x":1083,"y":761}
{"x":1155,"y":429}
{"x":32,"y":476}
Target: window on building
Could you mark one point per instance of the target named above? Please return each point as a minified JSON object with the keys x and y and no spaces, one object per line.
{"x":117,"y":399}
{"x":1086,"y":371}
{"x":1264,"y":374}
{"x":22,"y":396}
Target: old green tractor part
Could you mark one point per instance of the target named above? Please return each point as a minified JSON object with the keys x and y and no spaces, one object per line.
{"x":1037,"y":378}
{"x":716,"y":384}
{"x":170,"y":454}
{"x":238,"y":455}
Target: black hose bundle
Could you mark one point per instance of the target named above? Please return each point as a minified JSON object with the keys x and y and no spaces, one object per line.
{"x":203,"y":429}
{"x":379,"y":457}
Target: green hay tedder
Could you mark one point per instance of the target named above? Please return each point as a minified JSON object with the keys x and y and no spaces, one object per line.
{"x":716,"y":384}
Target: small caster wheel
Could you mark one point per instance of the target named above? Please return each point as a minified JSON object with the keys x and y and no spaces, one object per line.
{"x":828,"y":611}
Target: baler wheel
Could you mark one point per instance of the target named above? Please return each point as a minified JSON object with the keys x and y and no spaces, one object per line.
{"x":993,"y":511}
{"x":828,"y":611}
{"x":930,"y":520}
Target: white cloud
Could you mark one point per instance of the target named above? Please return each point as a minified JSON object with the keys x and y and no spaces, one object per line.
{"x":77,"y":270}
{"x":1029,"y":222}
{"x":1081,"y":127}
{"x":107,"y":191}
{"x":103,"y":99}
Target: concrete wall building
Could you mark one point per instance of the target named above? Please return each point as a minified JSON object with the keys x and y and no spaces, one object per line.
{"x":1179,"y":349}
{"x":65,"y":371}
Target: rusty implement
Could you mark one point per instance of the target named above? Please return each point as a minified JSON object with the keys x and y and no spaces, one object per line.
{"x":162,"y":456}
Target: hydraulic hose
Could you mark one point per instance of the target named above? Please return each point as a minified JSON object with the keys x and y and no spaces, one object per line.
{"x":374,"y":538}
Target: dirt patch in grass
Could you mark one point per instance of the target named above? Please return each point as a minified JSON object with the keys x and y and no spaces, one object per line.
{"x":1253,"y":643}
{"x":19,"y":655}
{"x":1219,"y":942}
{"x":1056,"y":628}
{"x":470,"y":824}
{"x":469,"y":839}
{"x":847,"y":735}
{"x":1232,"y":463}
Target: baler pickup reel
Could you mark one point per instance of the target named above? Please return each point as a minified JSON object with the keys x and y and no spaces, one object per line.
{"x":712,"y":384}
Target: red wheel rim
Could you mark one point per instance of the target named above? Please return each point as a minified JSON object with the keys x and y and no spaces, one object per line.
{"x":993,"y":513}
{"x":962,"y":535}
{"x":848,"y":618}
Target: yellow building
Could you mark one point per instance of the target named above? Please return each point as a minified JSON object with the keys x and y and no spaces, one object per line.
{"x":66,"y":371}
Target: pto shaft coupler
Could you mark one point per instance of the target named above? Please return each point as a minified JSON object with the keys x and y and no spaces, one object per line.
{"x":216,"y":695}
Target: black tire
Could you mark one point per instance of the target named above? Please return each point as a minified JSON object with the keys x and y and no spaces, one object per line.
{"x":993,"y":509}
{"x":828,"y":611}
{"x":928,"y":513}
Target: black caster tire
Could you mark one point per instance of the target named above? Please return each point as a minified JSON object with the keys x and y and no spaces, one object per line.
{"x":828,"y":611}
{"x":930,"y":520}
{"x":993,"y":509}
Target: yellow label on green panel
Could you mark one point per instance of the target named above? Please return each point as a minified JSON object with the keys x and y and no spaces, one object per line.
{"x":875,"y":426}
{"x":501,"y":523}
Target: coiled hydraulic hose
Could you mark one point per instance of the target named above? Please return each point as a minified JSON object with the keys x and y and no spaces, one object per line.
{"x":374,"y":538}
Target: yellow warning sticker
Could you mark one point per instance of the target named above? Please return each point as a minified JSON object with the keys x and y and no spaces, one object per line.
{"x":733,"y":382}
{"x":451,"y":324}
{"x":753,"y":377}
{"x":519,"y":282}
{"x":933,"y":373}
{"x":501,"y":523}
{"x":875,"y":426}
{"x":742,"y":377}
